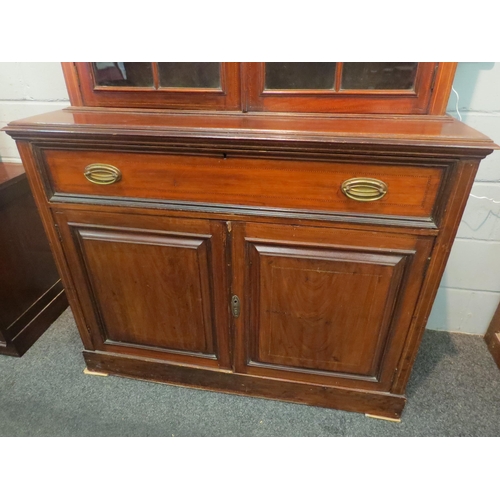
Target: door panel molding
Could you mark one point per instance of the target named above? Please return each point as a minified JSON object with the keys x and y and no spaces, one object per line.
{"x":299,"y":315}
{"x":151,"y":288}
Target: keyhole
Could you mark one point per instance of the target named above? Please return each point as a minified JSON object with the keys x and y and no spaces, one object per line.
{"x":235,"y":302}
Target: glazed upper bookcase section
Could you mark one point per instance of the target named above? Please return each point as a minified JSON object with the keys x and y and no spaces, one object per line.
{"x":323,"y":76}
{"x":157,"y":75}
{"x":303,"y":87}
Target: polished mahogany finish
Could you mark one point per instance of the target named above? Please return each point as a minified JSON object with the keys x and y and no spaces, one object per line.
{"x":285,"y":256}
{"x":84,"y":90}
{"x":243,"y":87}
{"x":411,"y":189}
{"x":320,"y":305}
{"x":31,"y":293}
{"x":417,"y":99}
{"x":297,"y":135}
{"x":151,"y":284}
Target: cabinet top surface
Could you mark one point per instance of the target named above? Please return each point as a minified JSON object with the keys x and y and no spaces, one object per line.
{"x":393,"y":130}
{"x":10,"y":173}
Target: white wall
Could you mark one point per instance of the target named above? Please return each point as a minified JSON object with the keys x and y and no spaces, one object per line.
{"x":470,"y":289}
{"x":28,"y":89}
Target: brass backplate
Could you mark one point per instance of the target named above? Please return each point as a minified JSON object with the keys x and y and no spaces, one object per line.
{"x":235,"y":306}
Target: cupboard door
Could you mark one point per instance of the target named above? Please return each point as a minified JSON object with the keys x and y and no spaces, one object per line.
{"x":329,"y":87}
{"x":150,"y":286}
{"x":324,"y":306}
{"x":180,"y":85}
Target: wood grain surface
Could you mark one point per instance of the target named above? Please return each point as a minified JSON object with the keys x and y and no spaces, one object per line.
{"x":314,"y":186}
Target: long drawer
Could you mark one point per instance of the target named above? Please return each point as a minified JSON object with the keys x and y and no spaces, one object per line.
{"x":397,"y":190}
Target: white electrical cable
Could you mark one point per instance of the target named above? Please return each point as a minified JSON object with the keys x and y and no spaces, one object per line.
{"x":484,"y":198}
{"x":456,"y":105}
{"x":460,"y":117}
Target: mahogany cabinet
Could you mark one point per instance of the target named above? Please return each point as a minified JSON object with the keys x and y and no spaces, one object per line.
{"x":31,"y":293}
{"x":267,"y":248}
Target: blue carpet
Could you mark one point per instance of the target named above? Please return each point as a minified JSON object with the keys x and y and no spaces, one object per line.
{"x":454,"y":391}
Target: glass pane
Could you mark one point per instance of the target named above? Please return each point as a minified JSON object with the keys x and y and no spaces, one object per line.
{"x":285,"y":75}
{"x":375,"y":75}
{"x":190,"y":74}
{"x":123,"y":74}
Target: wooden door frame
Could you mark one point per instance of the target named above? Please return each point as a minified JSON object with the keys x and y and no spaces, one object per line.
{"x":83,"y":92}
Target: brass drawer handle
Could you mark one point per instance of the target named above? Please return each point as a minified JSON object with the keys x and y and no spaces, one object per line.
{"x":364,"y":189}
{"x":100,"y":173}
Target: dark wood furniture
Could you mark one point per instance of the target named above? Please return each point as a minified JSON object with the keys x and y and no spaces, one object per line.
{"x":31,"y":293}
{"x":492,"y":337}
{"x":267,"y":253}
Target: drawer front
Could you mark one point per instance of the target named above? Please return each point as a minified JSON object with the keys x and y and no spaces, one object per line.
{"x":407,"y":191}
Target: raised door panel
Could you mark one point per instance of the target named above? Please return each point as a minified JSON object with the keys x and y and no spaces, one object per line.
{"x":151,"y":284}
{"x":322,"y":306}
{"x":308,"y":300}
{"x":140,"y":280}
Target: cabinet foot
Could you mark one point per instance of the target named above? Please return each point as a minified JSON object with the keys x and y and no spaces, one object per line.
{"x":397,"y":420}
{"x":99,"y":374}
